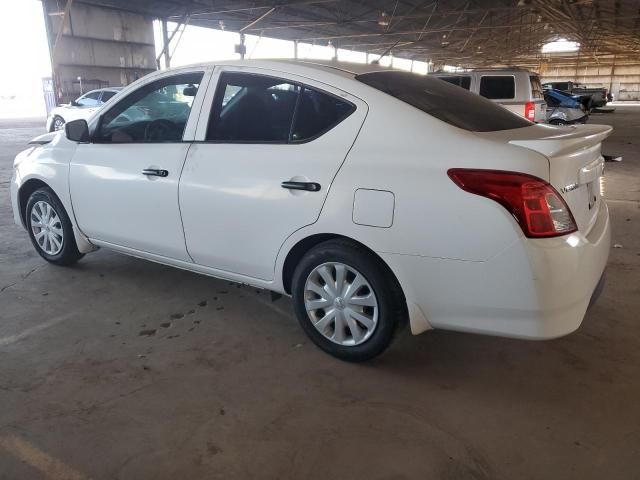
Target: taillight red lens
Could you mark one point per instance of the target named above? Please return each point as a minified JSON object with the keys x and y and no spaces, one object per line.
{"x":537,"y":206}
{"x":530,"y":111}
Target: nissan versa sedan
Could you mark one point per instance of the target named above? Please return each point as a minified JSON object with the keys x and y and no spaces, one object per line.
{"x":376,"y":198}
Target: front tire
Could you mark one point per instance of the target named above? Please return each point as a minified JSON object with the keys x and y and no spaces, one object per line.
{"x":347,"y":301}
{"x":57,"y":124}
{"x":50,"y":229}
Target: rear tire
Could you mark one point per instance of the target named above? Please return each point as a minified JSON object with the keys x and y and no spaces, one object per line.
{"x":353,"y":314}
{"x":558,"y":122}
{"x":50,"y":229}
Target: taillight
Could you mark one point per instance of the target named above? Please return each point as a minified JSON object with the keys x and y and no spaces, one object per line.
{"x":530,"y":111}
{"x":537,"y":206}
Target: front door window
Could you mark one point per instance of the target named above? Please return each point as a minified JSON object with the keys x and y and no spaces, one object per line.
{"x":155,"y":113}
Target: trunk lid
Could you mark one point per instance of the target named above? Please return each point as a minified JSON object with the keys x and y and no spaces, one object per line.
{"x":575,"y":163}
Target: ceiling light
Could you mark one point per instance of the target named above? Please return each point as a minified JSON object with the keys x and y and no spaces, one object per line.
{"x":383,"y":21}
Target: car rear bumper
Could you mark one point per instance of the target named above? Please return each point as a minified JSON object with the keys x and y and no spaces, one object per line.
{"x":536,"y":289}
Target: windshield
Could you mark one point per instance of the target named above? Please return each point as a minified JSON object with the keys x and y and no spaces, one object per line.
{"x":446,"y":102}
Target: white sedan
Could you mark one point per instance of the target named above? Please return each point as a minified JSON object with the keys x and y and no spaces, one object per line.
{"x":82,"y":107}
{"x":375,"y":198}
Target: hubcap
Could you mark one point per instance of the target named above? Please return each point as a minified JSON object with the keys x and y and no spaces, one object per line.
{"x":47,"y":228}
{"x":58,"y":124}
{"x":341,"y":304}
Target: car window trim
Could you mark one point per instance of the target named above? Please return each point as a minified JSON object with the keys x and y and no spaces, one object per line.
{"x":297,"y":83}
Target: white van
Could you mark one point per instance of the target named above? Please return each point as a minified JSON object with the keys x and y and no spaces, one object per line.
{"x":516,"y":89}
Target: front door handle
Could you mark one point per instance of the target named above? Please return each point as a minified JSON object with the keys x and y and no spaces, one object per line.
{"x":155,"y":172}
{"x":307,"y":186}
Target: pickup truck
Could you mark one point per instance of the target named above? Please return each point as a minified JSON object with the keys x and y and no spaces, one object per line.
{"x":589,"y":97}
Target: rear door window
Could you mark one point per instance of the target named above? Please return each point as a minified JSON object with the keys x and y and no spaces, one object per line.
{"x":318,"y":112}
{"x":460,"y":81}
{"x":251,"y":108}
{"x":498,"y":87}
{"x":444,"y":101}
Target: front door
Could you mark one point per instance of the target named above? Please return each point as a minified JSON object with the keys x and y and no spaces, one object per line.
{"x":272,"y":147}
{"x":124,"y":184}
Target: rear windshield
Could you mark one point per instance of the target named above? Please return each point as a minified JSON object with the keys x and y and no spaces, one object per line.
{"x":444,"y":101}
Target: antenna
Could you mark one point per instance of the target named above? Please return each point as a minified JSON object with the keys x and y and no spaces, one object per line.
{"x":386,"y":52}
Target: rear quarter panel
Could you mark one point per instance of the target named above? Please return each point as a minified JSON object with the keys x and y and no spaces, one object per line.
{"x":402,"y":150}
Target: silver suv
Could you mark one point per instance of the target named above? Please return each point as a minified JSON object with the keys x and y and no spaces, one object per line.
{"x":518,"y":90}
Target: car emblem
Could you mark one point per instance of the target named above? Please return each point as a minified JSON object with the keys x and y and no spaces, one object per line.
{"x":569,"y":188}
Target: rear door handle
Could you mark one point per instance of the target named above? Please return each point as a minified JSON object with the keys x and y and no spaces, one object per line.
{"x":155,"y":172}
{"x":307,"y":186}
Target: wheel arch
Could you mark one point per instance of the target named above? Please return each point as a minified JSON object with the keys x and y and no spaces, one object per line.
{"x":298,"y":251}
{"x":25,"y":192}
{"x":33,"y":184}
{"x":417,"y":320}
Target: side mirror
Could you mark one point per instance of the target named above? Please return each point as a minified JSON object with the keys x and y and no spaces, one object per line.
{"x":189,"y":91}
{"x":77,"y":131}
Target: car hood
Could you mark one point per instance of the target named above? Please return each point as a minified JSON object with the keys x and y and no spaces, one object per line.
{"x":43,"y":139}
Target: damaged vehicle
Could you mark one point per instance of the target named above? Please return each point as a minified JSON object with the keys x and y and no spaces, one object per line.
{"x":564,"y":108}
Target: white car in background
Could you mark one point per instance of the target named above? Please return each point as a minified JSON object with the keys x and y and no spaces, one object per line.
{"x":82,"y":107}
{"x":373,"y":197}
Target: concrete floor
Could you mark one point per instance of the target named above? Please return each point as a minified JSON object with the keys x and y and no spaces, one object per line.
{"x":124,"y":369}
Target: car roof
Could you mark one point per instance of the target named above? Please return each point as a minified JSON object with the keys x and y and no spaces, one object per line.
{"x":106,"y":89}
{"x":349,"y":69}
{"x":485,"y":70}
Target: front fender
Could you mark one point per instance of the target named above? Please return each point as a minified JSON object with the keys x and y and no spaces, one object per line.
{"x":46,"y":164}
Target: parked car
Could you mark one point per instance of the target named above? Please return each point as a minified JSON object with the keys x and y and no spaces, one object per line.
{"x":564,"y":108}
{"x":516,"y":89}
{"x":373,"y":197}
{"x":589,"y":97}
{"x":82,"y":107}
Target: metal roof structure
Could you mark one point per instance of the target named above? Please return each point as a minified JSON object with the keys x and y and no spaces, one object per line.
{"x":458,"y":32}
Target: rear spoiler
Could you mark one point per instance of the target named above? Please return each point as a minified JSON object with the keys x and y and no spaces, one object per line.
{"x":567,"y":140}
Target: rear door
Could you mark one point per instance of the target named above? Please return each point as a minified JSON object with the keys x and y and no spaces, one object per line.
{"x":269,"y":147}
